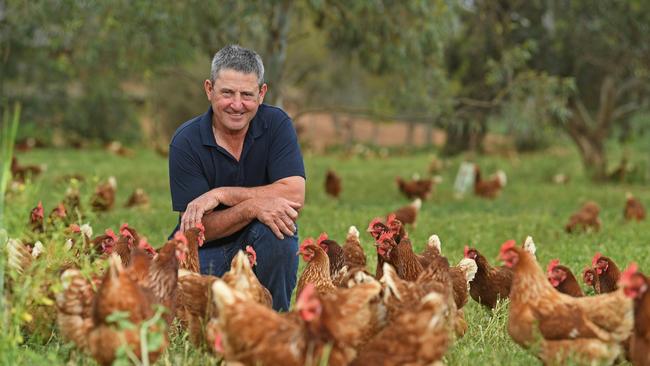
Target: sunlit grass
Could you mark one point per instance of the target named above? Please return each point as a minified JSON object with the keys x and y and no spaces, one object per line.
{"x":530,"y":205}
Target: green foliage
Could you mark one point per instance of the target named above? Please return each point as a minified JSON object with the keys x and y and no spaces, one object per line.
{"x":7,"y":139}
{"x":68,"y":60}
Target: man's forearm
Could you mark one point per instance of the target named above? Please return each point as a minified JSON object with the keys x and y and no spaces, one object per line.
{"x":292,"y":188}
{"x":219,"y":224}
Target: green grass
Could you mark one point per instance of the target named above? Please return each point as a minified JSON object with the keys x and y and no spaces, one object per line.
{"x":529,"y":205}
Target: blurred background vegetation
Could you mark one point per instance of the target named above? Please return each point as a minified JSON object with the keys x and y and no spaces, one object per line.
{"x":540,"y":71}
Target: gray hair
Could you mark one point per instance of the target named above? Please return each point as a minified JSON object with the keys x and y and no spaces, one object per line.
{"x":237,"y":58}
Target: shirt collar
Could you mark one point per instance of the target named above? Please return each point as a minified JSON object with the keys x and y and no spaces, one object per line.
{"x":255,"y":130}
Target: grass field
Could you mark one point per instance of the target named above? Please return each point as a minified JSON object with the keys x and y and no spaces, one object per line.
{"x":530,"y":205}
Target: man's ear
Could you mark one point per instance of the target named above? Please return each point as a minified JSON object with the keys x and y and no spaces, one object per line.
{"x":208,"y":86}
{"x":263,"y":89}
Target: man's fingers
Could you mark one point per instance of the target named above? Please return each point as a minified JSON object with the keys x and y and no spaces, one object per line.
{"x":293,"y":214}
{"x":294,"y":204}
{"x":285,"y":228}
{"x":274,"y":228}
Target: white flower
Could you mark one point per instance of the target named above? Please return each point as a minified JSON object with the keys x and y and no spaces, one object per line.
{"x":87,"y":230}
{"x":38,"y":249}
{"x":68,"y":244}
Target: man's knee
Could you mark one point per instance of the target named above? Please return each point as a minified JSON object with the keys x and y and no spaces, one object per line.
{"x":274,"y":249}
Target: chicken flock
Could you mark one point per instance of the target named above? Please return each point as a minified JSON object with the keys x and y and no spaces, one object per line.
{"x":408,"y":311}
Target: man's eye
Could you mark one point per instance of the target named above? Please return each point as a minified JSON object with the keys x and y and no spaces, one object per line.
{"x":226,"y":93}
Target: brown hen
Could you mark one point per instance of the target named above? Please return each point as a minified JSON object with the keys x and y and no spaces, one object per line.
{"x":563,"y":279}
{"x":564,"y":323}
{"x":317,"y":270}
{"x":416,"y":188}
{"x":635,"y":286}
{"x":586,"y":218}
{"x":489,"y":188}
{"x":332,"y":183}
{"x":417,"y":337}
{"x":607,"y":271}
{"x":490,"y":283}
{"x":634,"y":209}
{"x":408,"y":214}
{"x":104,"y":197}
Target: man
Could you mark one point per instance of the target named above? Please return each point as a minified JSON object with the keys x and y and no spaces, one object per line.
{"x":238,"y":170}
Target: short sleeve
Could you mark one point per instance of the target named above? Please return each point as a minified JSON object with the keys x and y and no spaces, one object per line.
{"x":186,"y":178}
{"x":285,"y":159}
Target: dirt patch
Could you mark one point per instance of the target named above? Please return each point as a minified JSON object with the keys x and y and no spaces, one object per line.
{"x":321,"y":130}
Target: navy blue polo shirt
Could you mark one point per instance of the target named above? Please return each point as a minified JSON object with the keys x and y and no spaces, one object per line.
{"x":198,"y":164}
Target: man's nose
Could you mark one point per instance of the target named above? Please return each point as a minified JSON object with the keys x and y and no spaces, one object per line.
{"x":236,"y":102}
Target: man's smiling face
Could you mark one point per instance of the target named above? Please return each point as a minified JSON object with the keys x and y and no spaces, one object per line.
{"x":235,"y":97}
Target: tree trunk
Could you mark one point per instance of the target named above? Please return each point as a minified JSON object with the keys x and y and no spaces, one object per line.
{"x":276,"y":50}
{"x":466,"y":133}
{"x":590,"y":134}
{"x":410,"y":133}
{"x":593,"y":154}
{"x":458,"y":137}
{"x":428,"y":139}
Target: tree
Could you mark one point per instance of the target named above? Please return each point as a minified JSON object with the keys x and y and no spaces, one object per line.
{"x":68,"y":60}
{"x":603,"y":47}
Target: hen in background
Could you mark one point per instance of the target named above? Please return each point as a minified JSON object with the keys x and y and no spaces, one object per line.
{"x":416,"y":188}
{"x":607,"y":272}
{"x":490,"y":283}
{"x":20,"y":172}
{"x":332,"y":183}
{"x":355,"y":257}
{"x":138,"y":198}
{"x":409,"y":213}
{"x":489,"y":188}
{"x":104,"y":197}
{"x":334,"y":253}
{"x":585,"y":218}
{"x":36,"y":217}
{"x":562,"y":279}
{"x":634,"y":209}
{"x":590,"y":278}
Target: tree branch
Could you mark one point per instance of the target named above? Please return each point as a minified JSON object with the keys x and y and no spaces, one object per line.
{"x":631,"y":84}
{"x":607,"y":104}
{"x":626,"y":109}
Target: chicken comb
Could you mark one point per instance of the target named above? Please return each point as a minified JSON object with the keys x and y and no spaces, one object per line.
{"x":386,"y":235}
{"x":124,"y":230}
{"x":630,"y":271}
{"x":200,"y":226}
{"x":306,"y":242}
{"x":551,"y":265}
{"x":218,"y":343}
{"x":372,"y":224}
{"x":595,"y":259}
{"x":74,"y":228}
{"x":323,"y":236}
{"x":465,"y":251}
{"x":251,"y":251}
{"x":391,"y":218}
{"x":180,"y":237}
{"x":111,"y":234}
{"x":144,"y":244}
{"x":38,"y":210}
{"x":508,"y":245}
